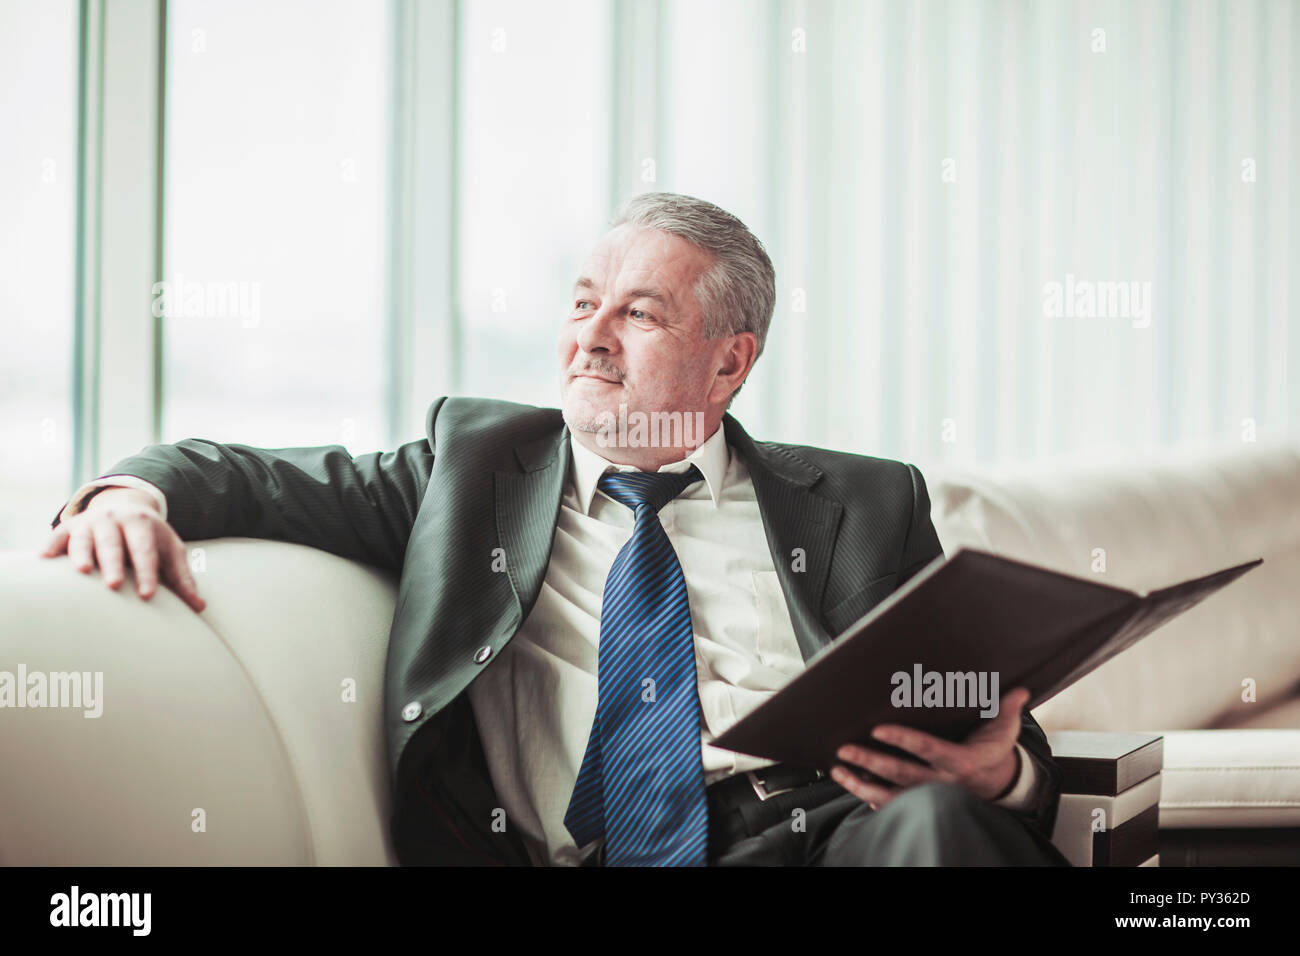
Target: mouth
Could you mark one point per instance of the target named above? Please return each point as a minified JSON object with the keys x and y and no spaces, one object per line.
{"x":594,"y":377}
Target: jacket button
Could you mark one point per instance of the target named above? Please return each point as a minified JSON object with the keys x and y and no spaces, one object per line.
{"x":482,"y":654}
{"x":411,"y":711}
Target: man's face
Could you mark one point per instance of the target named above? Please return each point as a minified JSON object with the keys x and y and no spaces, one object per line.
{"x":634,"y":335}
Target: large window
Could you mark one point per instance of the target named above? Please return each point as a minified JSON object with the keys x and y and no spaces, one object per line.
{"x":534,"y":183}
{"x":274,"y":222}
{"x":38,"y":194}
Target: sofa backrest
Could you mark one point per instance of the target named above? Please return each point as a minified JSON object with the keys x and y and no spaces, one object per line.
{"x":1155,"y":521}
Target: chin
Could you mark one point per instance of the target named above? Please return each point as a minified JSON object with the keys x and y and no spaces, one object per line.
{"x":582,"y":415}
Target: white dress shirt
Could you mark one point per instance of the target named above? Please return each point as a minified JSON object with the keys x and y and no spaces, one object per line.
{"x":535,"y":705}
{"x":115,"y":481}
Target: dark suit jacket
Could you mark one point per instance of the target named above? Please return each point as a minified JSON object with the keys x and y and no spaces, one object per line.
{"x":489,"y":475}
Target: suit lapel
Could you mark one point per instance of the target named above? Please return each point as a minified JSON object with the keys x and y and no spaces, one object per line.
{"x":801,"y":528}
{"x":527,"y":510}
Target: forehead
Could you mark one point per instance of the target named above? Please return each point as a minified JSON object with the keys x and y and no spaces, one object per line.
{"x":630,"y":258}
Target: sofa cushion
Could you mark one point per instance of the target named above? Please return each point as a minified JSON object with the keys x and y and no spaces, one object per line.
{"x":1219,"y":779}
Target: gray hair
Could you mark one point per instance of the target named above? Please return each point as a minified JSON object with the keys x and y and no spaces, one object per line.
{"x":738,"y":294}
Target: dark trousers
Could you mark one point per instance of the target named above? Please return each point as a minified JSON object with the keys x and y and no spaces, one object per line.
{"x":934,"y":824}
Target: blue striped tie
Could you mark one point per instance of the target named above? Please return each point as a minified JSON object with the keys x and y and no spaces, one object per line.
{"x":641,"y":784}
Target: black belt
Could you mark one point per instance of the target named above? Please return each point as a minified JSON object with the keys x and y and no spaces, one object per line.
{"x":738,"y":804}
{"x":759,"y":785}
{"x":745,"y":804}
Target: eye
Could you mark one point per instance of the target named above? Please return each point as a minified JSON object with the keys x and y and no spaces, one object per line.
{"x":581,"y":303}
{"x":641,"y":316}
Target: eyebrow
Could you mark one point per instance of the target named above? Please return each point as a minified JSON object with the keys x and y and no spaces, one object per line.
{"x":643,"y":293}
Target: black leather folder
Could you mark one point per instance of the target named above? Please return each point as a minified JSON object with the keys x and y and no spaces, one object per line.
{"x":973,"y":615}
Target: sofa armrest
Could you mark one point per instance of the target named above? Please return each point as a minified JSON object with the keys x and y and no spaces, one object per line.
{"x":249,"y":734}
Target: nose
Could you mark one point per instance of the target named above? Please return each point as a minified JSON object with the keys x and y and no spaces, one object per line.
{"x":599,"y":333}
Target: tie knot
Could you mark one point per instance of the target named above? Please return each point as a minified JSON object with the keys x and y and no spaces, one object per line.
{"x":653,"y":488}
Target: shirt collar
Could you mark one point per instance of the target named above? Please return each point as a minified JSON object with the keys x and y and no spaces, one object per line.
{"x":711,"y":458}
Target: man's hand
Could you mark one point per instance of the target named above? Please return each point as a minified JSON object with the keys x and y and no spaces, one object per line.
{"x":985,"y":762}
{"x":128,"y":515}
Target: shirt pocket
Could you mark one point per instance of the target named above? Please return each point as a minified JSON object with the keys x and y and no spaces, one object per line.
{"x":775,"y":641}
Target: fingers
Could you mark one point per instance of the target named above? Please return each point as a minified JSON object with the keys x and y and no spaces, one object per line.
{"x":895,"y":769}
{"x":969,"y":762}
{"x":938,"y":753}
{"x":1011,"y":703}
{"x":80,"y":550}
{"x":1006,"y":725}
{"x":177,"y":576}
{"x":1015,"y":701}
{"x":58,"y":543}
{"x":108,"y":550}
{"x":872,"y":793}
{"x":141,"y":539}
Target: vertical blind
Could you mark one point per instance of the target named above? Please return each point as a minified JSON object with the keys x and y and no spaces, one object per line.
{"x":1004,"y":230}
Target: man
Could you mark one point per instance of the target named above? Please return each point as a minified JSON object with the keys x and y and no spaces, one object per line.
{"x":584,"y":606}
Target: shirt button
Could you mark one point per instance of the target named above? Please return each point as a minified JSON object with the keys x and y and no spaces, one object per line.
{"x":482,"y":654}
{"x":411,"y":711}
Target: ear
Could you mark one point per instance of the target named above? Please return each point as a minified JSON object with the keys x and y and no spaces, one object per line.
{"x":736,"y":358}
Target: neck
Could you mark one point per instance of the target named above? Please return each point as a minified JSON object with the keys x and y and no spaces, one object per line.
{"x":630,"y":449}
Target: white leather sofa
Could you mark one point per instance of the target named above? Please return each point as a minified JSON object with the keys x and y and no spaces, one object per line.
{"x":251,"y":734}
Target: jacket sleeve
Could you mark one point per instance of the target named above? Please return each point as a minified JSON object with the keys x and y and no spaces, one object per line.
{"x":922,"y":547}
{"x":361,"y":507}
